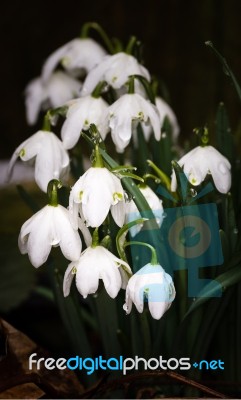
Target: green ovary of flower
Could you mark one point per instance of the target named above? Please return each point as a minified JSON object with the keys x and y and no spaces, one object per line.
{"x":117,"y":196}
{"x":22,"y":152}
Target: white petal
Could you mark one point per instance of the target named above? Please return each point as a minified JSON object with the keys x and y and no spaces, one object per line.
{"x":68,"y":278}
{"x":118,"y":213}
{"x":157,"y":309}
{"x":53,"y":60}
{"x":112,"y":280}
{"x":71,"y":130}
{"x":87,"y":275}
{"x":33,"y":100}
{"x":39,"y":241}
{"x":85,"y":232}
{"x":69,"y":239}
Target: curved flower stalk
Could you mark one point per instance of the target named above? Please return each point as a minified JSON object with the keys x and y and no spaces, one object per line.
{"x":53,"y":92}
{"x":96,"y":193}
{"x":200,"y":162}
{"x":81,"y":114}
{"x":166,"y":111}
{"x":75,"y":56}
{"x":152,"y":284}
{"x":115,"y":70}
{"x":49,"y":227}
{"x":51,"y":159}
{"x":128,"y":109}
{"x":97,"y":263}
{"x":155,"y":204}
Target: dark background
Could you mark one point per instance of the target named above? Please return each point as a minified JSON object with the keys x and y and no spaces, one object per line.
{"x":173,"y":33}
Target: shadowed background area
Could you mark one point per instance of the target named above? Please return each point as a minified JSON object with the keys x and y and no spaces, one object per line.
{"x":173,"y":33}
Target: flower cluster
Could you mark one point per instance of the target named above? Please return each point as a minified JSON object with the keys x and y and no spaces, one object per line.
{"x":101,"y":94}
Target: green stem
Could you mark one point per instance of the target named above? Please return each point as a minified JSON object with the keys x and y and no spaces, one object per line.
{"x":130,"y":45}
{"x":163,"y":177}
{"x":46,"y":123}
{"x":147,"y":87}
{"x":52,"y":192}
{"x":93,"y":25}
{"x":95,"y":238}
{"x":131,"y":84}
{"x":154,"y":260}
{"x":98,"y":89}
{"x":98,"y":160}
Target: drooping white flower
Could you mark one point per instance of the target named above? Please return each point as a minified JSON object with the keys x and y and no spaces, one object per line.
{"x":51,"y":159}
{"x":165,"y":111}
{"x":49,"y":227}
{"x":203,"y":160}
{"x":152,"y":284}
{"x":115,"y":70}
{"x":128,"y":109}
{"x":155,"y":204}
{"x":52,"y":93}
{"x":76,"y":55}
{"x":96,"y":193}
{"x":81,"y":113}
{"x":97,"y":263}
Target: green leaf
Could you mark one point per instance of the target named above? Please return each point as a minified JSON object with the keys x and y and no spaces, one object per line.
{"x":108,"y":323}
{"x":227,"y":279}
{"x":226,"y":67}
{"x":17,"y":276}
{"x":140,"y":153}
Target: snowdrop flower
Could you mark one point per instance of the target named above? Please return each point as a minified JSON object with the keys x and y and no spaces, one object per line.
{"x":97,"y":263}
{"x":81,"y":113}
{"x":115,"y":70}
{"x":151,"y":283}
{"x":165,"y":111}
{"x":203,"y":160}
{"x":96,"y":193}
{"x":51,"y":159}
{"x":126,"y":110}
{"x":155,"y":204}
{"x":76,"y":55}
{"x":51,"y":93}
{"x":49,"y":227}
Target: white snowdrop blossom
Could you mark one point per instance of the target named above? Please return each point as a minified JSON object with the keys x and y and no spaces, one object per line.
{"x":115,"y":70}
{"x":75,"y":56}
{"x":155,"y":204}
{"x":203,"y":160}
{"x":166,"y":111}
{"x":51,"y":159}
{"x":54,"y":92}
{"x":96,"y":193}
{"x":152,"y":284}
{"x":129,"y":109}
{"x":49,"y":227}
{"x":81,"y":113}
{"x":97,"y":263}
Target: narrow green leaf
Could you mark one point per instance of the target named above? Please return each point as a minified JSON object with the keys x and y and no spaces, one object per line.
{"x":70,"y":313}
{"x":226,"y":67}
{"x":108,"y":323}
{"x":224,"y":138}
